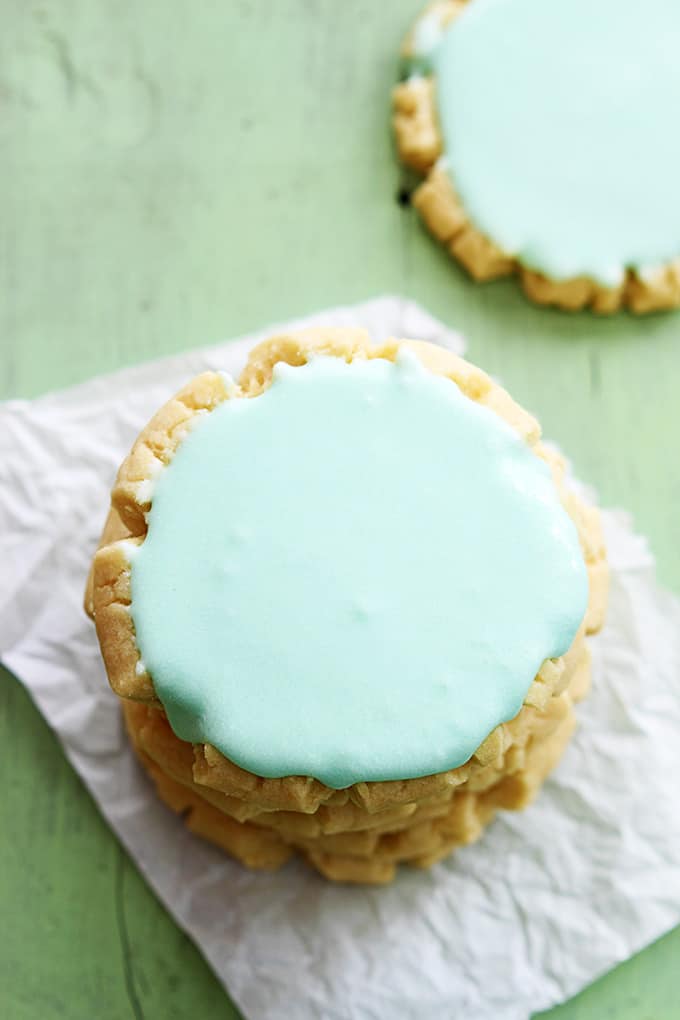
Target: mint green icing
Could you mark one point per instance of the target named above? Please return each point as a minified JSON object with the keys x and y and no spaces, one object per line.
{"x":559,"y":122}
{"x":426,"y":36}
{"x":354,"y":576}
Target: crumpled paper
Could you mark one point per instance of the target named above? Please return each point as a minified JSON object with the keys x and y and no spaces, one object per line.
{"x":543,"y":904}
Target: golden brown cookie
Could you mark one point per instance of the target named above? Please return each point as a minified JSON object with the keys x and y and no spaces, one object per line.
{"x":420,"y":145}
{"x":359,"y":833}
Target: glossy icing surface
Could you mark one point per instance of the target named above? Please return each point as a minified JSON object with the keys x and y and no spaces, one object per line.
{"x":354,"y":576}
{"x":559,"y":123}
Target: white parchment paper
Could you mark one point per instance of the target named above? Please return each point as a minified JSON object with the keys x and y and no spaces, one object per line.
{"x":544,"y":903}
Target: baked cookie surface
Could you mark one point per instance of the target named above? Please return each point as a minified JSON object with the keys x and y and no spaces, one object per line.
{"x":274,"y":787}
{"x":544,"y":134}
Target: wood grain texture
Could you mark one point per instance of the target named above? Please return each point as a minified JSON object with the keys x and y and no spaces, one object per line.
{"x":176,"y":173}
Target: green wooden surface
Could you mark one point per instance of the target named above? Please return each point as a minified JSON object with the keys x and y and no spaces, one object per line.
{"x":174,"y":173}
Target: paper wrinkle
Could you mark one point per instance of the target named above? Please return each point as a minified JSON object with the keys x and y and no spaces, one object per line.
{"x":543,"y":904}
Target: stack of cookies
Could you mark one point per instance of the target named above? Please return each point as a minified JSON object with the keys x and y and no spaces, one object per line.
{"x":361,"y":831}
{"x":360,"y":834}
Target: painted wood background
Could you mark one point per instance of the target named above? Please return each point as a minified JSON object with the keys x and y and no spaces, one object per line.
{"x":174,"y":173}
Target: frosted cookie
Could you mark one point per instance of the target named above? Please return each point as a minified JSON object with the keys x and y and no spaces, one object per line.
{"x":545,"y":134}
{"x":344,"y":593}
